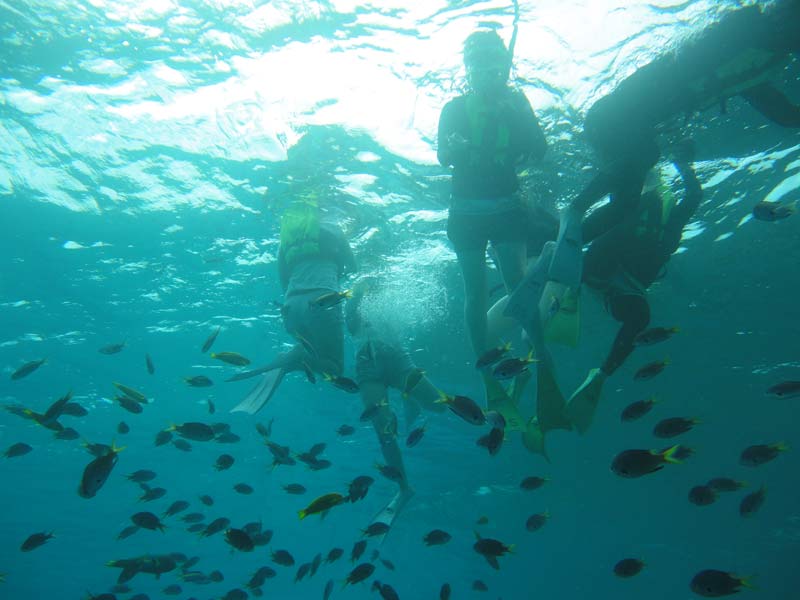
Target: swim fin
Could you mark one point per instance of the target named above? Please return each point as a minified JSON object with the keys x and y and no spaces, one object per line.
{"x":567,"y":264}
{"x":533,"y":439}
{"x":262,"y":392}
{"x":550,"y":404}
{"x":523,"y":302}
{"x":564,"y":325}
{"x":497,"y":399}
{"x":389,"y":513}
{"x":583,"y":403}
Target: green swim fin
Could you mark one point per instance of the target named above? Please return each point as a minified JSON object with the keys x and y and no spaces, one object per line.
{"x":523,"y":302}
{"x":498,"y":400}
{"x":583,"y":403}
{"x":567,"y":264}
{"x":258,"y":397}
{"x":550,"y":404}
{"x":533,"y":439}
{"x":564,"y":326}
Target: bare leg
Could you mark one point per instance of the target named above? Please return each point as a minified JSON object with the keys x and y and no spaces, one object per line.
{"x":473,"y":269}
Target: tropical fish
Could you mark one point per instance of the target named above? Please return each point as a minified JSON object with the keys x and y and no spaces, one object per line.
{"x":27,"y":368}
{"x":492,"y":440}
{"x":239,"y":539}
{"x":773,"y":211}
{"x":96,"y":472}
{"x":358,"y":550}
{"x":702,"y":495}
{"x":176,"y":507}
{"x":536,"y":521}
{"x":491,"y":549}
{"x":785,"y":389}
{"x":533,"y":483}
{"x":333,"y":555}
{"x":754,"y":456}
{"x":491,"y":356}
{"x":132,"y":393}
{"x":35,"y":540}
{"x":712,"y":583}
{"x":215,"y":526}
{"x":511,"y":367}
{"x":636,"y":463}
{"x":224,"y":462}
{"x":18,"y":449}
{"x":343,"y":383}
{"x":360,"y":573}
{"x":464,"y":407}
{"x":198,"y":432}
{"x":210,"y":340}
{"x":412,"y":380}
{"x":295,"y":489}
{"x":628,"y":567}
{"x":655,"y":335}
{"x":232,"y":358}
{"x":636,"y":410}
{"x":283,"y":558}
{"x":198,"y":381}
{"x":322,"y":504}
{"x":141,"y":476}
{"x":725,"y":484}
{"x":376,"y":528}
{"x":123,"y":428}
{"x":436,"y":537}
{"x":147,"y":520}
{"x":652,"y":369}
{"x":112,"y":348}
{"x":345,"y":430}
{"x":243,"y":488}
{"x":415,"y":436}
{"x":330,"y":299}
{"x":151,"y":368}
{"x":479,"y":586}
{"x":669,"y":428}
{"x":752,"y":502}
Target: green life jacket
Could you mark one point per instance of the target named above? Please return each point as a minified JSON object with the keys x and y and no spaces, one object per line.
{"x":478,"y":114}
{"x":300,"y":231}
{"x":654,"y":214}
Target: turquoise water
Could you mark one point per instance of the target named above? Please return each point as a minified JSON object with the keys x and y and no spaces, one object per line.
{"x":147,"y":148}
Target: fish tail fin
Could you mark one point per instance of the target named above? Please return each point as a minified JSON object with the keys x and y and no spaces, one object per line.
{"x":746,"y":581}
{"x":668,"y":455}
{"x":442,"y":399}
{"x":781,"y":446}
{"x":511,"y":548}
{"x":301,"y":514}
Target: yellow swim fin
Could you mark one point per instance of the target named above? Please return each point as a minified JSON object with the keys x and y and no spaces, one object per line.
{"x":583,"y":403}
{"x":533,"y":439}
{"x":498,"y":400}
{"x":564,"y":324}
{"x":550,"y":404}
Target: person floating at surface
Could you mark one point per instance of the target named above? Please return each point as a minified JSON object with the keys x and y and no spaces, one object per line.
{"x":738,"y":56}
{"x":313,"y":257}
{"x":623,"y":263}
{"x":383,"y":363}
{"x":485,"y":135}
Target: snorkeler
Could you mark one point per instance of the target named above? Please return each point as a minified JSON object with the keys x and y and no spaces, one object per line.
{"x":383,"y":363}
{"x":623,"y":263}
{"x":485,"y":134}
{"x":739,"y":55}
{"x":312,"y":259}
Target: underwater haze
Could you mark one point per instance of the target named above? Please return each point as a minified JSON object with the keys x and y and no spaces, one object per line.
{"x":147,"y":151}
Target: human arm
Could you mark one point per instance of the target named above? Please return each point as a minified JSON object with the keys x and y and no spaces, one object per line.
{"x":683,"y":155}
{"x":452,"y":147}
{"x":528,"y":141}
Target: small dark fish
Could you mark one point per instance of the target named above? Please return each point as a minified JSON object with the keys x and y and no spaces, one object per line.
{"x":511,"y":367}
{"x":147,"y":520}
{"x":536,"y":521}
{"x":176,"y":507}
{"x":371,"y":411}
{"x":294,"y":488}
{"x":415,"y":436}
{"x":243,"y":488}
{"x":260,"y":576}
{"x":215,"y":526}
{"x":141,"y":476}
{"x":317,"y":449}
{"x":334,"y":555}
{"x":224,"y":462}
{"x":712,"y":583}
{"x":129,"y":404}
{"x":492,"y":355}
{"x":533,"y":483}
{"x":484,"y":520}
{"x":123,"y":428}
{"x":752,"y":502}
{"x":444,"y":592}
{"x":283,"y":558}
{"x":628,"y":567}
{"x":464,"y":407}
{"x":358,"y":550}
{"x":326,"y":594}
{"x":73,"y":409}
{"x":773,"y":211}
{"x":172,"y":590}
{"x":96,"y":473}
{"x":35,"y":540}
{"x":210,"y":340}
{"x":112,"y":348}
{"x":220,"y":428}
{"x":27,"y":368}
{"x":358,"y":488}
{"x":198,"y":381}
{"x":636,"y":463}
{"x":376,"y":528}
{"x":330,"y":299}
{"x":388,"y":564}
{"x":315,"y":564}
{"x":227,"y":438}
{"x":322,"y":504}
{"x":491,"y":550}
{"x":18,"y":449}
{"x":198,"y":432}
{"x":702,"y":495}
{"x":345,"y":430}
{"x":343,"y":383}
{"x":655,"y":335}
{"x":436,"y":537}
{"x":669,"y":428}
{"x":386,"y":591}
{"x":785,"y":389}
{"x":302,"y":571}
{"x":265,"y":431}
{"x":360,"y":573}
{"x":725,"y":484}
{"x":217,"y":576}
{"x":130,"y":392}
{"x":757,"y":455}
{"x":151,"y":368}
{"x":492,"y":441}
{"x":151,"y":494}
{"x":127,"y":532}
{"x":261,"y":538}
{"x":193,"y":518}
{"x":239,"y":539}
{"x":636,"y":410}
{"x":479,"y":586}
{"x":650,"y":370}
{"x":319,"y":465}
{"x":495,"y":419}
{"x":182,"y":445}
{"x":390,"y":472}
{"x":196,"y":528}
{"x":232,"y":358}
